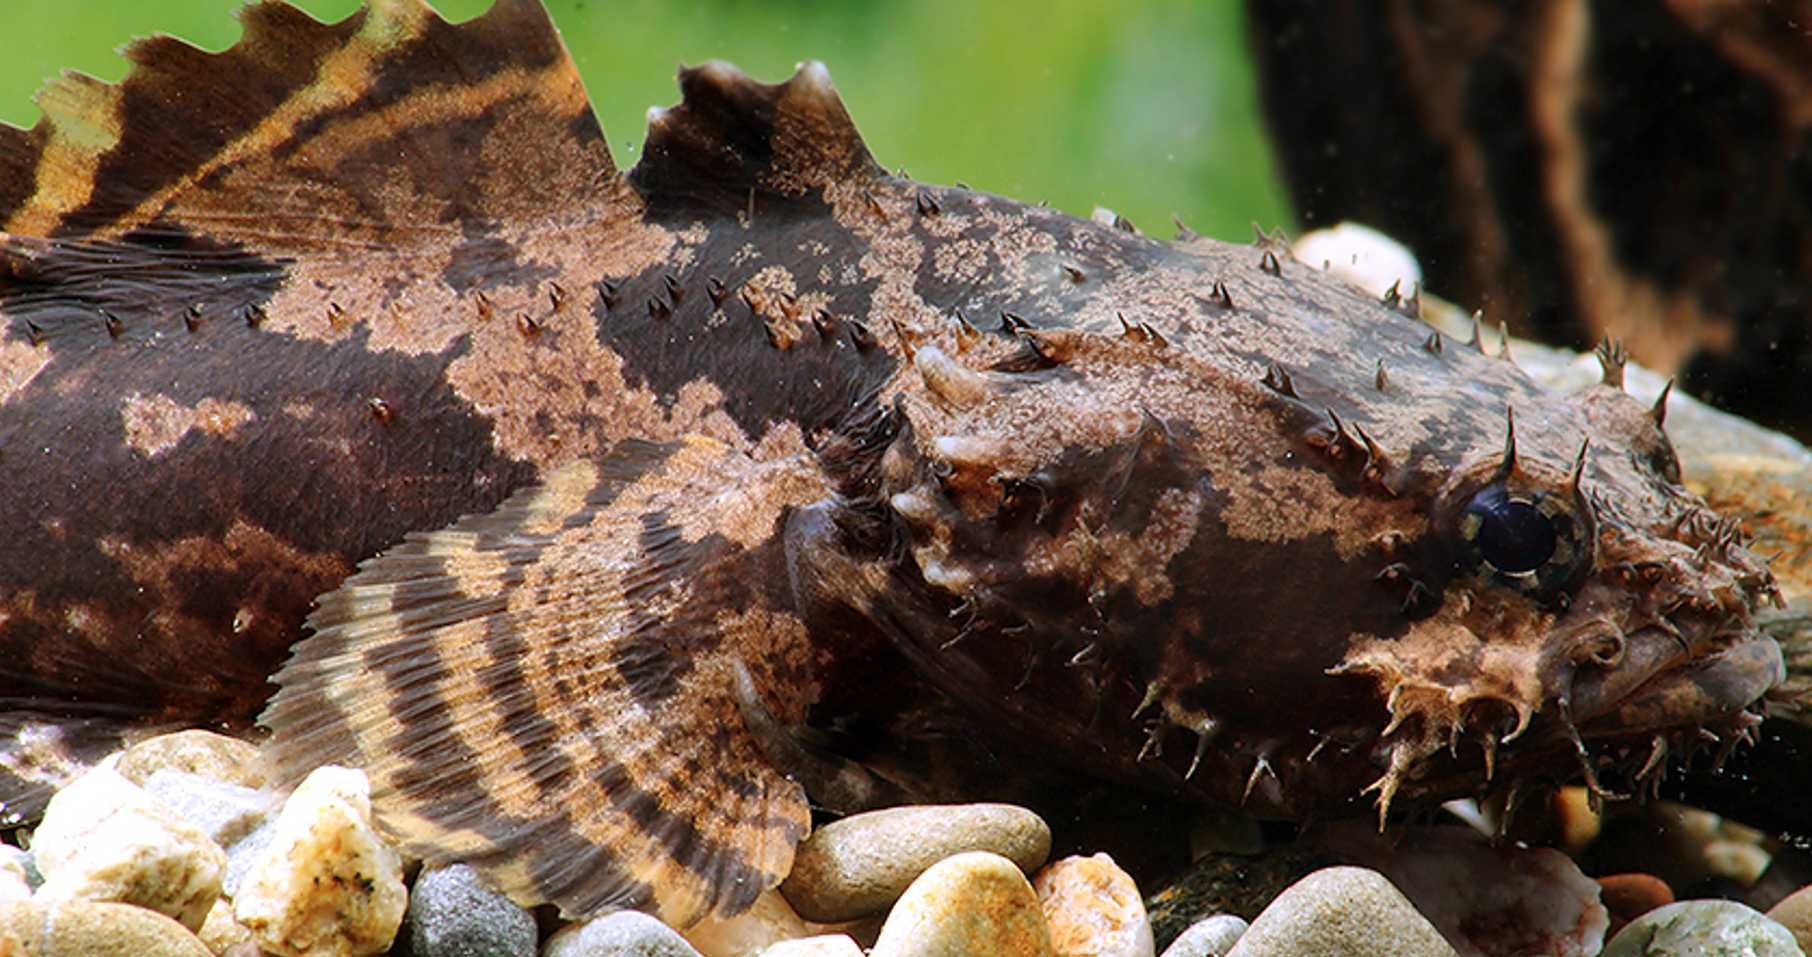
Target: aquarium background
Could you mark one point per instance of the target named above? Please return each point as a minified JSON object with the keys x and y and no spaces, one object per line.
{"x":1145,"y":108}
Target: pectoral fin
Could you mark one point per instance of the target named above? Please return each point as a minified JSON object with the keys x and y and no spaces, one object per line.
{"x":549,"y":691}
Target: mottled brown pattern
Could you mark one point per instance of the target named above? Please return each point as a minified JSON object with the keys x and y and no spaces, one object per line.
{"x":788,"y":451}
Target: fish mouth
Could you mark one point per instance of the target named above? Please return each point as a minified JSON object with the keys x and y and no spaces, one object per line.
{"x":1661,"y":686}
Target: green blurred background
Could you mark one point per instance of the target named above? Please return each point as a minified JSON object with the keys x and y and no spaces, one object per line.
{"x":1148,"y":108}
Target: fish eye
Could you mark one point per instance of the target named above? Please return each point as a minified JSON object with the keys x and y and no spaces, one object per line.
{"x":1534,"y":541}
{"x":1511,"y":534}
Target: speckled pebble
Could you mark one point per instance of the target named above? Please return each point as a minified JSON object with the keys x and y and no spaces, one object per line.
{"x":1341,"y":912}
{"x":622,"y":934}
{"x":15,"y":884}
{"x":224,"y":812}
{"x":1093,"y":909}
{"x":861,"y":864}
{"x":1703,"y":928}
{"x":326,"y":884}
{"x":824,"y":945}
{"x":92,"y":929}
{"x":104,"y":838}
{"x":768,"y":921}
{"x":205,"y":753}
{"x":1208,"y":937}
{"x":453,"y":914}
{"x":975,"y":903}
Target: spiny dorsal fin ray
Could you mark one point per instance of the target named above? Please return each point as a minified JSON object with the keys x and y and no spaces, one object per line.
{"x":158,"y":142}
{"x":730,"y":136}
{"x":388,"y":163}
{"x":548,"y":691}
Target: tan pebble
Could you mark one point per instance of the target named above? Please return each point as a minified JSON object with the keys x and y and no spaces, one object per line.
{"x":220,"y":932}
{"x":326,"y":884}
{"x":1794,"y":912}
{"x":826,"y":945}
{"x":92,"y":929}
{"x":767,"y":922}
{"x":861,"y":864}
{"x":975,"y":903}
{"x":196,"y":752}
{"x":1093,"y":909}
{"x":104,"y":839}
{"x":1740,"y":861}
{"x":1579,"y":823}
{"x":1341,"y":912}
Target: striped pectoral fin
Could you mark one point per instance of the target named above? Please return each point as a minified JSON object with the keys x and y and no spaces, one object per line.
{"x":550,"y":691}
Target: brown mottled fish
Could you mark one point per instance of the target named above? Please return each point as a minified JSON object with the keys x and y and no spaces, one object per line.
{"x":756,"y":445}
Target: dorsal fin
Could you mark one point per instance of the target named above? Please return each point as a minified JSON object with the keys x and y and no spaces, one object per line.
{"x":730,"y":136}
{"x":275,"y":174}
{"x":292,"y":93}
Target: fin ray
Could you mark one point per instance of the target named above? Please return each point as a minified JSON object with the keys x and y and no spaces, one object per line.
{"x":548,"y":691}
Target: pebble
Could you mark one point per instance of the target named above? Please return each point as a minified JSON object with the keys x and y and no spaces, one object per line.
{"x":1341,"y":912}
{"x":625,"y":933}
{"x":1209,"y":937}
{"x":224,"y":812}
{"x":1703,"y":928}
{"x":220,"y":932}
{"x":92,"y":929}
{"x":1629,"y":896}
{"x":326,"y":884}
{"x":1490,"y":901}
{"x":205,"y":753}
{"x":104,"y":838}
{"x":767,"y":922}
{"x":1578,"y":821}
{"x":825,"y":945}
{"x":1092,"y":907}
{"x":15,"y":878}
{"x":861,"y":864}
{"x":453,"y":914}
{"x":1794,"y":912}
{"x":974,"y":903}
{"x":242,"y":854}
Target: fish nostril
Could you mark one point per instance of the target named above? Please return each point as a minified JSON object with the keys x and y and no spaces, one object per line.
{"x":1604,"y":649}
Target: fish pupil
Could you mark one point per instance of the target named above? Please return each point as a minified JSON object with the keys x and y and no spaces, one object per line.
{"x":1513,"y":535}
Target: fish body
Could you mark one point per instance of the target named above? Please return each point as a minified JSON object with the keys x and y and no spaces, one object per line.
{"x":624,"y":492}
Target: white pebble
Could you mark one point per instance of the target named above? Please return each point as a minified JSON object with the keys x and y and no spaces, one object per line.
{"x":1208,"y":937}
{"x":104,"y":838}
{"x":827,"y":945}
{"x":326,"y":884}
{"x":15,"y":885}
{"x":224,"y":812}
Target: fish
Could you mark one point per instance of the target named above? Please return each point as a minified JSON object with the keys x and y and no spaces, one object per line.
{"x":352,"y":398}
